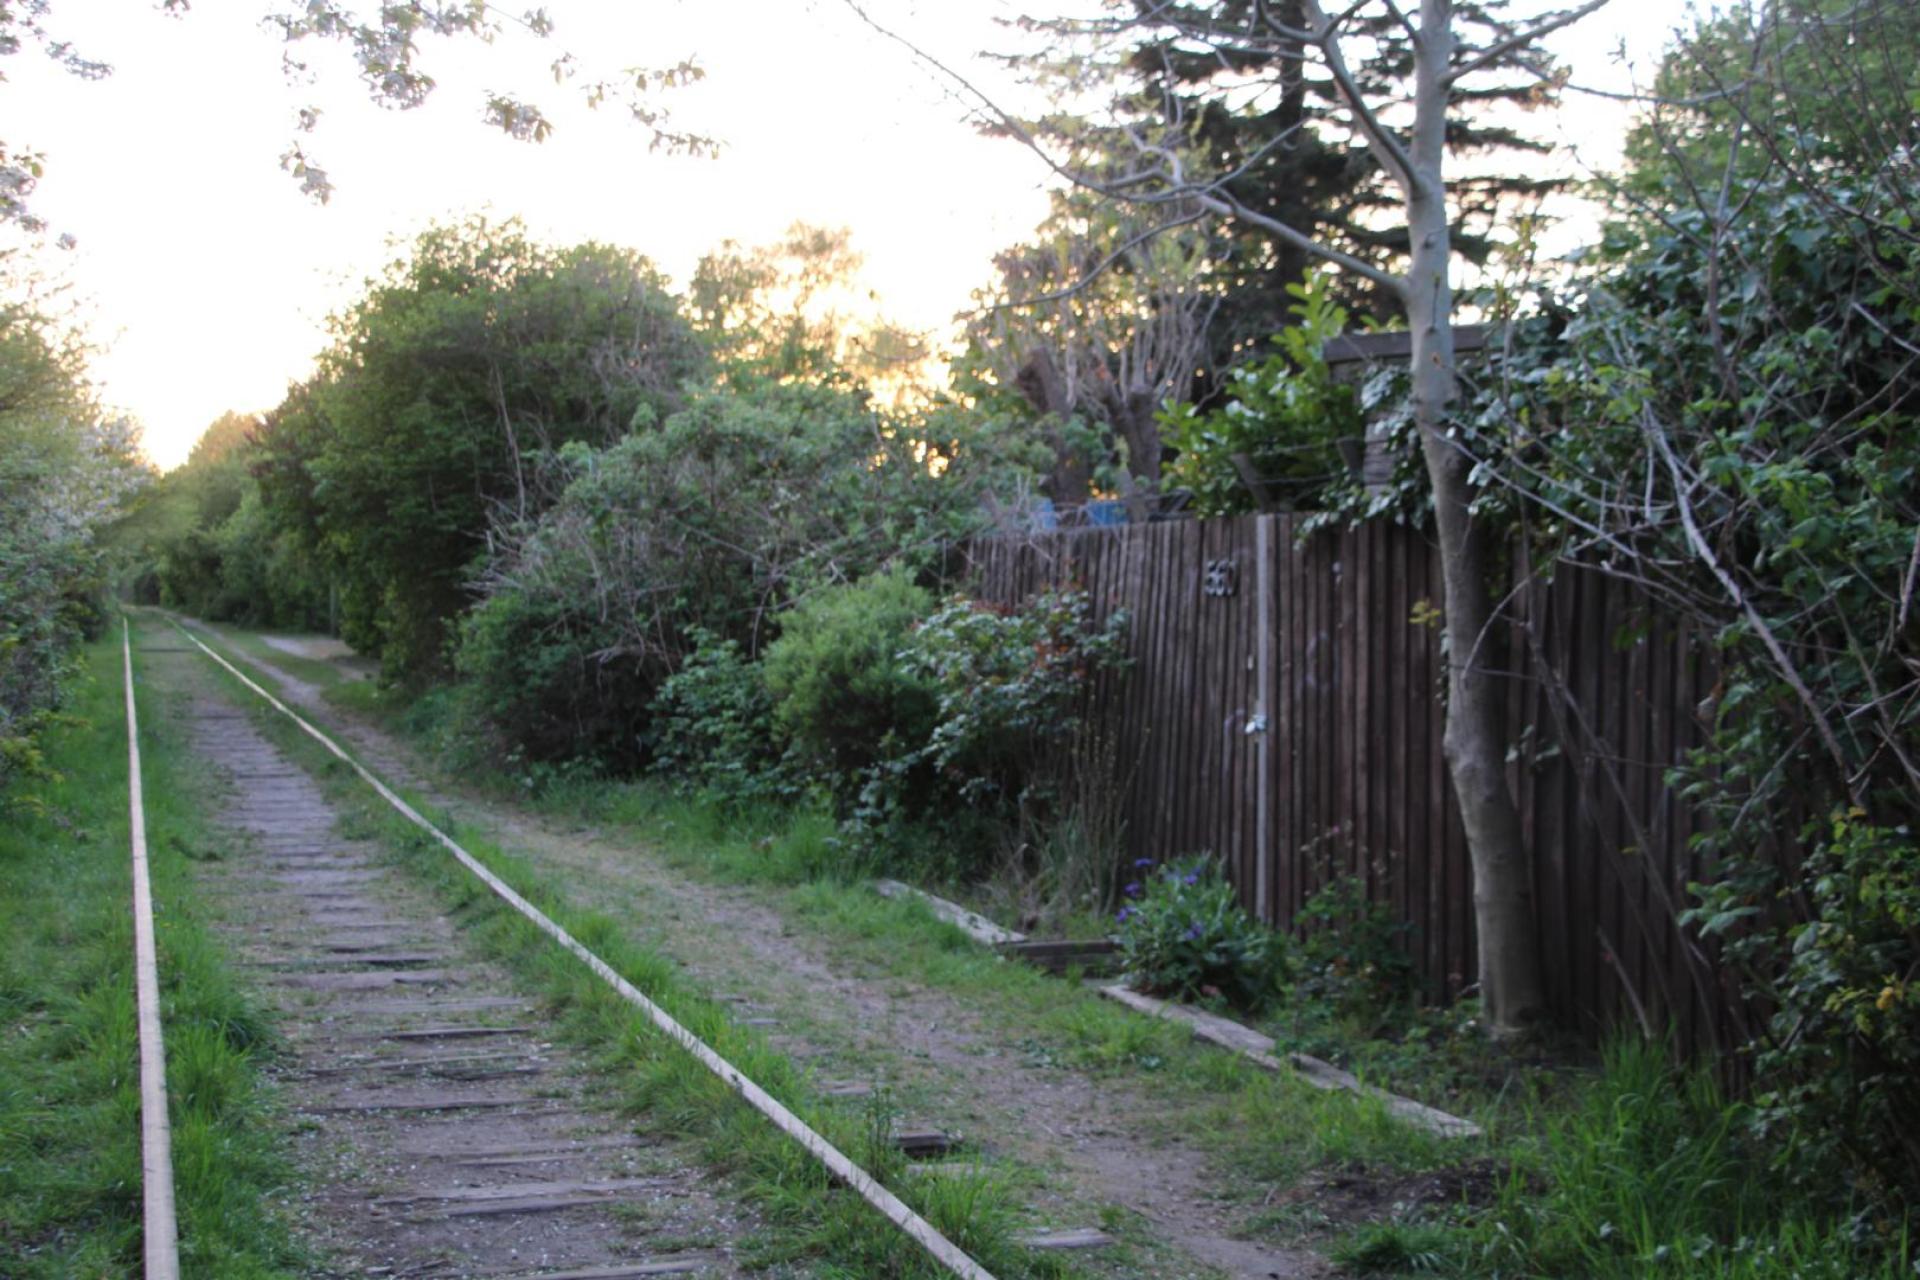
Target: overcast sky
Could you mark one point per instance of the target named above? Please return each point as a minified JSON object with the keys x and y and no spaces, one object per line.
{"x":206,"y":276}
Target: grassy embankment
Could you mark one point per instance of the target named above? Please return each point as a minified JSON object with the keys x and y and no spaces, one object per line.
{"x":1626,"y":1170}
{"x":70,"y":1185}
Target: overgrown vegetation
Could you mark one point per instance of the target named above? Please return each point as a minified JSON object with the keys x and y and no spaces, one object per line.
{"x":64,"y":468}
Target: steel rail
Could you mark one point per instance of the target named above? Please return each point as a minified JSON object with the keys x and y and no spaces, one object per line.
{"x":937,"y":1246}
{"x":160,"y":1230}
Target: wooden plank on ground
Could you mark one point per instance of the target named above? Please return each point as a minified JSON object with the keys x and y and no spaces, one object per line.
{"x":1256,"y":1048}
{"x":1079,"y":1238}
{"x":976,"y":926}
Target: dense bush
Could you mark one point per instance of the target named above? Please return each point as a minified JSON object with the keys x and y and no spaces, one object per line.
{"x":1353,"y":961}
{"x":1184,"y":934}
{"x":713,"y":725}
{"x":844,"y":693}
{"x":1839,"y":1062}
{"x":532,"y":664}
{"x":468,"y":361}
{"x":755,"y":494}
{"x":1774,"y":467}
{"x":64,"y":471}
{"x":203,"y":541}
{"x":1007,"y":681}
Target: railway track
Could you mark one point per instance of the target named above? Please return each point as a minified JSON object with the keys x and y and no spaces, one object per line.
{"x":454,"y":1132}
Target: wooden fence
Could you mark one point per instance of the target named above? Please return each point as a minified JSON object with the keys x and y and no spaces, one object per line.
{"x":1283,"y":711}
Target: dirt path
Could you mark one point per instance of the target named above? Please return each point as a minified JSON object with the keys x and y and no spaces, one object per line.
{"x":1104,"y":1142}
{"x":443,"y":1132}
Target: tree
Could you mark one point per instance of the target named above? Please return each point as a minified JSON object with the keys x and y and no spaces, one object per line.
{"x":471,"y":359}
{"x":789,"y":310}
{"x":1810,"y":87}
{"x":1403,"y":83}
{"x":386,"y":50}
{"x":201,"y":539}
{"x":65,"y":468}
{"x":1122,"y":307}
{"x":1095,"y":357}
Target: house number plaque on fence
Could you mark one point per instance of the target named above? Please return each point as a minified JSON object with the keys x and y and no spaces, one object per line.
{"x":1223,"y":578}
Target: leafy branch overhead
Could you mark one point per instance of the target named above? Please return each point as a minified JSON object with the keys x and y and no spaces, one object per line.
{"x":386,"y":50}
{"x":386,"y":46}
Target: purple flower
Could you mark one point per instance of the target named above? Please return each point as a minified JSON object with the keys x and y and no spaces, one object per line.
{"x":1192,"y":877}
{"x":1142,"y":863}
{"x":1193,"y":931}
{"x":1126,"y":914}
{"x":1133,"y":889}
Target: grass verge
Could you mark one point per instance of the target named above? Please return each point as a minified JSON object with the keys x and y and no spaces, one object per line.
{"x":70,"y":1182}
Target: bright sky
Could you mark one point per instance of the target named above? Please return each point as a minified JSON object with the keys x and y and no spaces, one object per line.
{"x":206,"y":276}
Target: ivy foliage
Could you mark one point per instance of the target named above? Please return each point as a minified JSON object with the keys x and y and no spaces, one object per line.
{"x":1723,"y":411}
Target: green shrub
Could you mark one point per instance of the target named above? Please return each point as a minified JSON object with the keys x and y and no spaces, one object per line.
{"x":1007,"y":683}
{"x":842,"y":692}
{"x":1351,"y":957}
{"x":1838,"y":1076}
{"x":713,"y":725}
{"x":537,"y":678}
{"x":1184,"y":933}
{"x":1285,"y":417}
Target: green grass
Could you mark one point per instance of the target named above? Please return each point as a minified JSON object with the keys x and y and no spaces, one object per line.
{"x":70,"y":1183}
{"x":1648,"y":1174}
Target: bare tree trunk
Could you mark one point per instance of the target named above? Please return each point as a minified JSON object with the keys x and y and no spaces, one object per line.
{"x":1511,"y":983}
{"x":1070,"y":484}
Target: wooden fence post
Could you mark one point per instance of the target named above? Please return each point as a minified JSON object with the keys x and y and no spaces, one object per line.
{"x":1263,"y":625}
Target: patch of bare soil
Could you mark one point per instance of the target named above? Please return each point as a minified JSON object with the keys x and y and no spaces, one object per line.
{"x":1105,"y":1143}
{"x":442,"y":1131}
{"x":1349,"y":1200}
{"x":319,"y":649}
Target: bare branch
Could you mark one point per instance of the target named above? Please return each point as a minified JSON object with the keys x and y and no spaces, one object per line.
{"x":1494,"y":53}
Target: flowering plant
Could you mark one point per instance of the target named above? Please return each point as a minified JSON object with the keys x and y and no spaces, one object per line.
{"x":1184,"y":933}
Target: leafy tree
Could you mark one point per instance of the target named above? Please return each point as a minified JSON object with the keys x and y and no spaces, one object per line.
{"x":1814,"y":87}
{"x":1094,"y":355}
{"x":789,"y":310}
{"x":471,"y":359}
{"x":1123,"y":306}
{"x":201,"y":539}
{"x":64,"y":471}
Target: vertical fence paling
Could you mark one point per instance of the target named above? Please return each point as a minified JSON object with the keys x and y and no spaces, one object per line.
{"x":159,"y":1230}
{"x":1333,"y":643}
